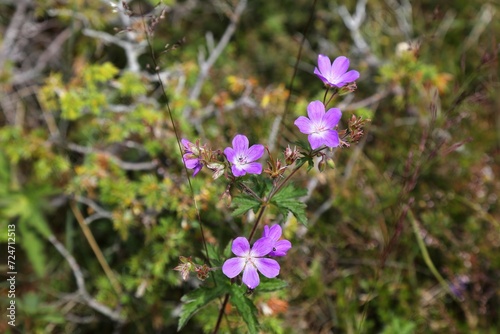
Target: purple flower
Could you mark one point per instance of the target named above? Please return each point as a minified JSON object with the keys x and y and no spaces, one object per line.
{"x":335,"y":74}
{"x":280,"y":247}
{"x":242,"y":157}
{"x":190,"y":157}
{"x":319,"y":126}
{"x":251,"y":261}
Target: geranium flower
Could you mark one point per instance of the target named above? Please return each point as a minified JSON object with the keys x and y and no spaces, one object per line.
{"x":242,"y":157}
{"x":280,"y":247}
{"x":319,"y":126}
{"x":190,"y":157}
{"x":335,"y":74}
{"x":251,"y":261}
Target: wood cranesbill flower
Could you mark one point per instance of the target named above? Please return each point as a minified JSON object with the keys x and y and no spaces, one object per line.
{"x":319,"y":126}
{"x":335,"y":74}
{"x":251,"y":261}
{"x":191,"y":156}
{"x":243,"y":158}
{"x":280,"y":247}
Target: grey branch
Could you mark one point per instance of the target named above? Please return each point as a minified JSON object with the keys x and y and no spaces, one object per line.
{"x":353,"y":23}
{"x":206,"y":65}
{"x":80,"y":282}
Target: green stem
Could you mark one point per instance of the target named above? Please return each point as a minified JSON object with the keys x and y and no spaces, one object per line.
{"x":426,"y":256}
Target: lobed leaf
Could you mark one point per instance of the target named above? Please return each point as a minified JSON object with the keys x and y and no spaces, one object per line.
{"x":245,"y":308}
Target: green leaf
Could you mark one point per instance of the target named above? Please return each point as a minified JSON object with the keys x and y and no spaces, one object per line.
{"x":287,"y":201}
{"x":244,"y":203}
{"x":198,"y":298}
{"x":245,"y":307}
{"x":271,"y":285}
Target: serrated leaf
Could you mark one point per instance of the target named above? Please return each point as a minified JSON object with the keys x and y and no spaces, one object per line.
{"x":245,"y":308}
{"x":271,"y":285}
{"x":287,"y":200}
{"x":197,"y":299}
{"x":244,"y":203}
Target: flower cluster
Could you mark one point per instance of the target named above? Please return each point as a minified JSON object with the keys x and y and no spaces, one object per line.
{"x":241,"y":159}
{"x":253,"y":260}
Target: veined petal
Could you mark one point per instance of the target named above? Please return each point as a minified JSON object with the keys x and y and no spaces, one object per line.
{"x":339,"y":66}
{"x":274,"y":232}
{"x":240,"y":144}
{"x":230,"y":155}
{"x":319,"y":75}
{"x":282,"y":246}
{"x":191,"y":163}
{"x":331,"y":138}
{"x":233,"y":266}
{"x":251,"y":276}
{"x":252,"y":168}
{"x":255,"y":152}
{"x":267,"y":267}
{"x":325,"y":65}
{"x":304,"y":124}
{"x":349,"y":76}
{"x":197,"y":169}
{"x":240,"y":246}
{"x":332,"y":117}
{"x":316,"y":140}
{"x":238,"y":170}
{"x":262,"y":247}
{"x":185,"y":143}
{"x":315,"y":111}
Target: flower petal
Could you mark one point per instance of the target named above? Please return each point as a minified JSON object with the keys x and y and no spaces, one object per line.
{"x":332,"y":117}
{"x":191,"y":163}
{"x":281,"y":247}
{"x":315,"y":111}
{"x":325,"y":65}
{"x":339,"y":66}
{"x":250,"y":276}
{"x":186,"y":143}
{"x":318,"y":74}
{"x":238,"y":170}
{"x":331,"y":138}
{"x":267,"y":267}
{"x":316,"y":140}
{"x":262,"y":247}
{"x":240,"y":144}
{"x":233,"y":266}
{"x":230,"y":154}
{"x":197,"y":169}
{"x":255,"y":152}
{"x":240,"y":246}
{"x":349,"y":77}
{"x":274,"y":232}
{"x":252,"y":168}
{"x":304,"y":124}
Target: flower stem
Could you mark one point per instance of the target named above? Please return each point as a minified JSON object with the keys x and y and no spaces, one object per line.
{"x":221,"y":313}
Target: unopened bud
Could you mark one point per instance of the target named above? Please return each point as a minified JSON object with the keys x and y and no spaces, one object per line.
{"x":330,"y":163}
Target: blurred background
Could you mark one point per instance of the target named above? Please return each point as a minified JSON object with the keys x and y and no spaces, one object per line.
{"x":403,"y":235}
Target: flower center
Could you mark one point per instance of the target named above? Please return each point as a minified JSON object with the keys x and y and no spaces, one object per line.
{"x":241,"y":160}
{"x":320,"y":127}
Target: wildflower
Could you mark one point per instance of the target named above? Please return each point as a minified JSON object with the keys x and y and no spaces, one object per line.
{"x":191,"y":156}
{"x":242,"y":157}
{"x":319,"y":126}
{"x":251,"y":261}
{"x":280,"y":247}
{"x":335,"y":75}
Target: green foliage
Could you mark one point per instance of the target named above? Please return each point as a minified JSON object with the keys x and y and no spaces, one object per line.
{"x":244,"y":203}
{"x":287,"y":200}
{"x":197,"y":299}
{"x":245,"y":307}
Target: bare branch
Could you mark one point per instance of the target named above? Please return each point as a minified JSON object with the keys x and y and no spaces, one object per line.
{"x":80,"y":282}
{"x":206,"y":65}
